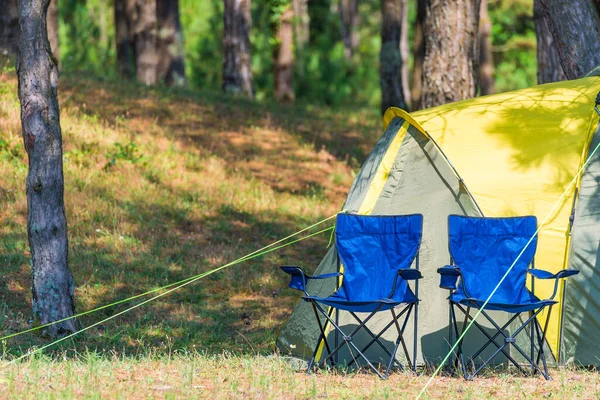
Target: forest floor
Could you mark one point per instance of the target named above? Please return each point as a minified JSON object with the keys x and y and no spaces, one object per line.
{"x":164,"y":184}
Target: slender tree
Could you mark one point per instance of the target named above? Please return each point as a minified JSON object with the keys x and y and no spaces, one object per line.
{"x":9,"y":30}
{"x":350,"y":19}
{"x":404,"y":55}
{"x":575,"y":27}
{"x":125,"y":57}
{"x":487,"y":83}
{"x":53,"y":285}
{"x":390,"y":59}
{"x":237,"y":75}
{"x":52,"y":22}
{"x":143,"y":28}
{"x":549,"y":68}
{"x":283,"y":52}
{"x":171,"y":65}
{"x":451,"y":51}
{"x":302,"y":22}
{"x":418,"y":56}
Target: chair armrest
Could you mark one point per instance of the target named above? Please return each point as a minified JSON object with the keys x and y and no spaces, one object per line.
{"x":449,"y":276}
{"x":300,"y":278}
{"x":541,"y":274}
{"x":409,"y":274}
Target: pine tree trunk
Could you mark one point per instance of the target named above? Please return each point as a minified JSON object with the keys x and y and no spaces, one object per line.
{"x":125,"y":57}
{"x":53,"y":285}
{"x":144,"y":33}
{"x":418,"y":56}
{"x":283,"y":58}
{"x":9,"y":30}
{"x":350,"y":24}
{"x":549,"y":68}
{"x":237,"y":75}
{"x":404,"y":55}
{"x":390,"y":59}
{"x":487,"y":84}
{"x":302,"y":23}
{"x":171,"y":66}
{"x":52,"y":22}
{"x":575,"y":27}
{"x":451,"y":51}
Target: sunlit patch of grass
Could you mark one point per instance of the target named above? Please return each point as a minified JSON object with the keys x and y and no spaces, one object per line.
{"x":163,"y":184}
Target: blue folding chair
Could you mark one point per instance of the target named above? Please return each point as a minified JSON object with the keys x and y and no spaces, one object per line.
{"x":482,"y":251}
{"x":376,"y":253}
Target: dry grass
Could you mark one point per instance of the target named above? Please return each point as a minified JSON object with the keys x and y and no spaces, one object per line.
{"x":162,"y":185}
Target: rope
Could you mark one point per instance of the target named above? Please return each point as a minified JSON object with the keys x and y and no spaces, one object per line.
{"x":559,"y":201}
{"x":239,"y":260}
{"x":196,"y":278}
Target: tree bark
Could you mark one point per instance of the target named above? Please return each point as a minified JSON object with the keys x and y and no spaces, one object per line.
{"x":350,"y":24}
{"x":451,"y":51}
{"x":53,"y":285}
{"x":237,"y":75}
{"x":404,"y":55}
{"x":52,"y":22}
{"x":125,"y":57}
{"x":549,"y":68}
{"x":390,"y":59}
{"x":418,"y":56}
{"x":283,"y":58}
{"x":302,"y":23}
{"x":9,"y":30}
{"x":171,"y":66}
{"x":143,"y":25}
{"x":575,"y":27}
{"x":487,"y":84}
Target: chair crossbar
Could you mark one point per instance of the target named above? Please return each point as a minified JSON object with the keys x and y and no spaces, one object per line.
{"x":508,"y":340}
{"x":375,"y":338}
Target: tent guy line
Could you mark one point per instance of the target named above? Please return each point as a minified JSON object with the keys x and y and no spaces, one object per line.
{"x":248,"y":256}
{"x":550,"y":213}
{"x":257,"y":253}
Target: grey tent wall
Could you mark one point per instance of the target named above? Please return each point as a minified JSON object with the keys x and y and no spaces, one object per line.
{"x":581,"y":315}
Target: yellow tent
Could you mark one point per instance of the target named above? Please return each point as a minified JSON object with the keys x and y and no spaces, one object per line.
{"x":509,"y":154}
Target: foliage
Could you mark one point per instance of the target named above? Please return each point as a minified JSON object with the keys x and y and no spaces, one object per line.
{"x":322,"y":73}
{"x":513,"y":38}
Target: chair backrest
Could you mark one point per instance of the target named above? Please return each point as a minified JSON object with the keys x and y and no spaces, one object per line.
{"x":372,"y":249}
{"x":485,"y":248}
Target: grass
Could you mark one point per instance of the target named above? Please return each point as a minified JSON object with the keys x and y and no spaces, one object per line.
{"x":161,"y":185}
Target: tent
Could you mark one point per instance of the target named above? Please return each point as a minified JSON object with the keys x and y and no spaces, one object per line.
{"x":502,"y":155}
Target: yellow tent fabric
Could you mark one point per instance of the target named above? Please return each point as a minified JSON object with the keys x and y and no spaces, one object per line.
{"x":517,"y":153}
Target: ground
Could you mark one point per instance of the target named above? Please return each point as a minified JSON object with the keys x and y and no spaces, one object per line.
{"x":162,"y":185}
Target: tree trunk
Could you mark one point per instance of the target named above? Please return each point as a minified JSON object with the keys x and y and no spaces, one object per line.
{"x":283,"y":58}
{"x":575,"y":27}
{"x":302,"y":22}
{"x":52,"y":22}
{"x":390,"y":59}
{"x":143,"y":24}
{"x":237,"y":75}
{"x":418,"y":56}
{"x":53,"y":285}
{"x":549,"y":68}
{"x":350,"y":23}
{"x":404,"y":55}
{"x":9,"y":30}
{"x":171,"y":67}
{"x":487,"y":84}
{"x":125,"y":57}
{"x":451,"y":51}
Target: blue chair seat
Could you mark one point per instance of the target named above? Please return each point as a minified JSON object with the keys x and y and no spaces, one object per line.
{"x":529,"y":305}
{"x":363,"y":306}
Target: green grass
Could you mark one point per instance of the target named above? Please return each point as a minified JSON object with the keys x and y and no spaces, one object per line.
{"x":161,"y":185}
